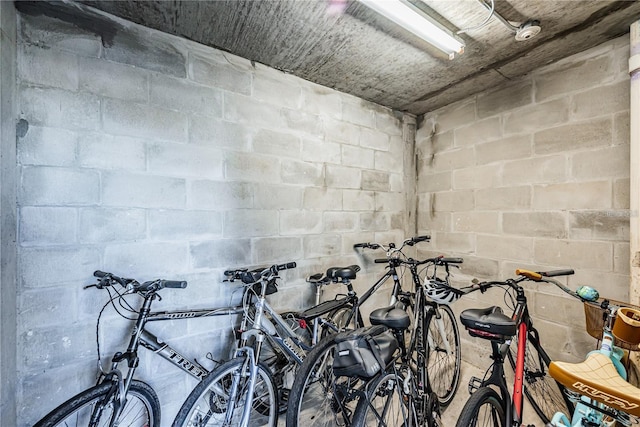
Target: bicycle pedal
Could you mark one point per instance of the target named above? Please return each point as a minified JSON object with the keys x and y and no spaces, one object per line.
{"x":474,"y":384}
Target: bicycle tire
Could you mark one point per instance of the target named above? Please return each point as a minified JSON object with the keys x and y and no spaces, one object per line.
{"x":207,"y":404}
{"x":545,"y":394}
{"x":315,"y":398}
{"x":142,"y":407}
{"x":341,"y":318}
{"x":474,"y":414}
{"x":385,"y":404}
{"x":444,"y":366}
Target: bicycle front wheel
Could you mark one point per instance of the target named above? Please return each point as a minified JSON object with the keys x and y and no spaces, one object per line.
{"x":543,"y":392}
{"x":220,"y":398}
{"x":385,"y":404}
{"x":95,"y":407}
{"x":483,"y":409}
{"x":443,"y":364}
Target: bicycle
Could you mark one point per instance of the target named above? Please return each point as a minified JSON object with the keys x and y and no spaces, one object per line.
{"x":313,"y":399}
{"x":118,"y":398}
{"x":244,"y":389}
{"x":530,"y":361}
{"x":598,"y":386}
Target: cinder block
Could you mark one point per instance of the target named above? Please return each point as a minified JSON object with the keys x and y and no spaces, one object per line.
{"x":462,"y":243}
{"x":302,"y":173}
{"x":47,"y":146}
{"x":279,"y":92}
{"x":476,"y":222}
{"x":308,"y":124}
{"x":54,"y":306}
{"x":376,"y":181}
{"x":535,"y":224}
{"x":223,"y":76}
{"x":621,"y":128}
{"x":607,"y":162}
{"x":277,"y":143}
{"x":572,"y":77}
{"x":478,"y":132}
{"x":220,"y":253}
{"x":476,"y":177}
{"x":574,"y":136}
{"x":184,"y":225}
{"x":59,"y":186}
{"x":334,"y":222}
{"x":59,"y":108}
{"x":355,"y":113}
{"x":218,"y":133}
{"x":184,"y":96}
{"x":454,"y":116}
{"x":572,"y":195}
{"x":99,"y":225}
{"x":322,"y":198}
{"x":504,"y":248}
{"x":48,"y":225}
{"x":103,"y":151}
{"x":504,"y":198}
{"x":350,"y":239}
{"x":277,"y":196}
{"x":51,"y":347}
{"x":97,"y":76}
{"x":454,"y":159}
{"x":621,"y":190}
{"x":321,"y":100}
{"x":603,"y":100}
{"x":374,"y":139}
{"x":143,"y":191}
{"x":338,"y":130}
{"x":389,"y":162}
{"x":453,"y":201}
{"x":77,"y":263}
{"x":251,"y":167}
{"x":375,"y":221}
{"x":429,"y":144}
{"x":511,"y":148}
{"x":434,"y":221}
{"x":599,"y":225}
{"x":247,"y":111}
{"x":389,"y":122}
{"x":610,"y":284}
{"x":300,"y":222}
{"x":357,"y":157}
{"x":397,"y":183}
{"x":127,"y":118}
{"x":186,"y":160}
{"x":342,"y":177}
{"x":587,"y":255}
{"x":250,"y":223}
{"x":621,"y":258}
{"x":390,"y":202}
{"x":481,"y":268}
{"x":47,"y":67}
{"x":536,"y":117}
{"x":219,"y":195}
{"x":358,"y":200}
{"x":63,"y":36}
{"x":319,"y":151}
{"x":320,"y":245}
{"x":431,"y":182}
{"x":148,"y":259}
{"x":535,"y":170}
{"x":505,"y":98}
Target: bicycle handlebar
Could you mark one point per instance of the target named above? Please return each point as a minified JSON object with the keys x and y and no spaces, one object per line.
{"x":408,"y":242}
{"x":253,"y":276}
{"x":109,"y":279}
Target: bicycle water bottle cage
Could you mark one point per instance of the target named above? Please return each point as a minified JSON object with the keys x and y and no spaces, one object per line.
{"x":488,"y":323}
{"x":391,"y":317}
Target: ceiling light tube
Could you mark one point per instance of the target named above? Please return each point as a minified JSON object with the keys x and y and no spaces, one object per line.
{"x":413,"y":19}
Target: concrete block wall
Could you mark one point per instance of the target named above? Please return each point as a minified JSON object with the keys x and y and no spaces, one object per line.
{"x":535,"y":174}
{"x":150,"y":156}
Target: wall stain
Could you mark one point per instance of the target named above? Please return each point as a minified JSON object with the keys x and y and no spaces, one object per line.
{"x":22,"y":127}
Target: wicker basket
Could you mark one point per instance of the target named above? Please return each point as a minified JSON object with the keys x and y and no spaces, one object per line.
{"x":594,"y":316}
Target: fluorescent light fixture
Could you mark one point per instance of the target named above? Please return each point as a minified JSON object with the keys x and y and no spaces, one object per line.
{"x":413,"y":19}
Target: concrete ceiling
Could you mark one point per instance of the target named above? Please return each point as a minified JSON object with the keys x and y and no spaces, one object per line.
{"x":356,"y":51}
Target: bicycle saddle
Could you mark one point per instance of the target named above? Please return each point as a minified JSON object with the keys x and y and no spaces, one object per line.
{"x":598,"y":379}
{"x":344,"y":273}
{"x":489,"y":323}
{"x":391,"y":317}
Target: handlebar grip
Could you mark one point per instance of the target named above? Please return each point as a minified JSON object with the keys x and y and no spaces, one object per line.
{"x":178,"y":284}
{"x":529,"y":274}
{"x":451,"y":260}
{"x":360,"y":245}
{"x":381,"y":261}
{"x":554,"y":273}
{"x":100,"y":274}
{"x":286,"y":266}
{"x":419,"y":239}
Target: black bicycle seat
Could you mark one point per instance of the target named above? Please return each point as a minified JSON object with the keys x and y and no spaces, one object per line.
{"x":344,"y":273}
{"x":490,"y":323}
{"x":391,"y":317}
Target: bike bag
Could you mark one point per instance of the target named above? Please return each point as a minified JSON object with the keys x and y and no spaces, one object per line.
{"x":363,"y":352}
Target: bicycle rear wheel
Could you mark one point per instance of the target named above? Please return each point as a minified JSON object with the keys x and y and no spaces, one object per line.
{"x":483,"y":409}
{"x":543,"y":392}
{"x":385,"y":404}
{"x":141,"y":409}
{"x":443,"y":363}
{"x":208,"y":403}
